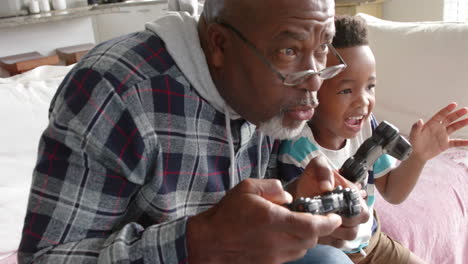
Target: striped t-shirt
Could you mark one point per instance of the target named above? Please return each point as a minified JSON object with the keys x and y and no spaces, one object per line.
{"x":296,"y":153}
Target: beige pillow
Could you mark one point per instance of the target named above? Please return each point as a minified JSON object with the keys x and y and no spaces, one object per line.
{"x":421,"y":67}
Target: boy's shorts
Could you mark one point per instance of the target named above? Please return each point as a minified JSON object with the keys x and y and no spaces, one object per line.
{"x":382,"y":249}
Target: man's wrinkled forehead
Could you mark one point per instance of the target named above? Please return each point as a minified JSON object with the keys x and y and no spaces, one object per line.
{"x":258,"y":11}
{"x":326,"y":34}
{"x":303,"y":28}
{"x":319,"y":9}
{"x":316,"y":8}
{"x":317,"y":4}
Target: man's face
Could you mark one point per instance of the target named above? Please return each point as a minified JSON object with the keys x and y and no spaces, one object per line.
{"x":347,"y":100}
{"x":292,"y":36}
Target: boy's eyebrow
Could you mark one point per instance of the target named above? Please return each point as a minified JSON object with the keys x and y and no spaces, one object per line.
{"x":347,"y":81}
{"x":371,"y":78}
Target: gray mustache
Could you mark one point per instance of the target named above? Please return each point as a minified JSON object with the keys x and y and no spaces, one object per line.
{"x":311,"y":99}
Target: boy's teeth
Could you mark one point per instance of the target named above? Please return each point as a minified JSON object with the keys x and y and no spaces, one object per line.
{"x":354,"y":120}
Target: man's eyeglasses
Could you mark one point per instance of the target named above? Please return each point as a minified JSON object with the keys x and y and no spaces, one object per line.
{"x":291,"y":79}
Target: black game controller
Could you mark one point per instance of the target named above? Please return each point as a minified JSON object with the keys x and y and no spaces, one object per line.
{"x":341,"y":201}
{"x":385,"y":139}
{"x":345,"y":202}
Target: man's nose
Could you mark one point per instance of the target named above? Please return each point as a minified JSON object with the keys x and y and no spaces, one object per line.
{"x":312,"y":82}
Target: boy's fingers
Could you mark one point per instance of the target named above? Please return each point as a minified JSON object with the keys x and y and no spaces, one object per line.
{"x":324,"y":174}
{"x":340,"y":180}
{"x":455,"y":115}
{"x":440,"y":116}
{"x":457,"y":126}
{"x":320,"y":174}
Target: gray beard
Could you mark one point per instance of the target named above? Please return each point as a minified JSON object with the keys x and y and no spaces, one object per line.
{"x":274,"y":128}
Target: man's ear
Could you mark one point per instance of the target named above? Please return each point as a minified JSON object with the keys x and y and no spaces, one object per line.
{"x":217,"y":43}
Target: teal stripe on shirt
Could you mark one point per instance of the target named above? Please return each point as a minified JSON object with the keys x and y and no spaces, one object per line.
{"x":299,"y":150}
{"x":383,"y":163}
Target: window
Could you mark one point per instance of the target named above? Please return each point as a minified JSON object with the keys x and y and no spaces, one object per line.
{"x":456,"y":10}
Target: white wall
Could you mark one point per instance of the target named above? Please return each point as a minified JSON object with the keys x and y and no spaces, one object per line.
{"x":45,"y":37}
{"x":413,"y":10}
{"x":129,"y":19}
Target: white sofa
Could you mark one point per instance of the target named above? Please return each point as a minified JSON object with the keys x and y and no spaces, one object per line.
{"x":421,"y":67}
{"x":24,"y":104}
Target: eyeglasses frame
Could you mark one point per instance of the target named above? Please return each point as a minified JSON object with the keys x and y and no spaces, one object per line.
{"x":301,"y":76}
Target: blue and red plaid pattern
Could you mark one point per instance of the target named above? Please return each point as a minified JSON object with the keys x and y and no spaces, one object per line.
{"x":130,"y":152}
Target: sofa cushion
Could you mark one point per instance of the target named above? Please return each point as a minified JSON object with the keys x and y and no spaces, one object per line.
{"x":432,"y":222}
{"x":421,"y":67}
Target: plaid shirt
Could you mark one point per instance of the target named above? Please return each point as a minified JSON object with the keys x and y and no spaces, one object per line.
{"x":130,"y":152}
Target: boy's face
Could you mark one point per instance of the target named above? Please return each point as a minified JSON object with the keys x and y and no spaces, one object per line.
{"x":347,"y":100}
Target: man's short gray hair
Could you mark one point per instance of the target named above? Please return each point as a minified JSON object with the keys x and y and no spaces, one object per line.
{"x":212,"y":9}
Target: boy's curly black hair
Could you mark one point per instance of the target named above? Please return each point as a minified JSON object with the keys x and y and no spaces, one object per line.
{"x":351,"y":31}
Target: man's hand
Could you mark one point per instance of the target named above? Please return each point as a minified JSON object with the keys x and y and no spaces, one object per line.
{"x":250,"y":225}
{"x":318,"y":178}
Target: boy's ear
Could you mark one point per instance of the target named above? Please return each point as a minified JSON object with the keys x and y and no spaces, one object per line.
{"x":217,"y":43}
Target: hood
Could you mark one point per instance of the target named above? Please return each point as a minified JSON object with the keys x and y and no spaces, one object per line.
{"x":179,"y":32}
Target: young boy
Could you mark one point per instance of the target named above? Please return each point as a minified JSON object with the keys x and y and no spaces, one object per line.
{"x":343,"y":120}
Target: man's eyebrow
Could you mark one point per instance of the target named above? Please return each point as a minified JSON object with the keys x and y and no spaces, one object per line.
{"x":287,"y":34}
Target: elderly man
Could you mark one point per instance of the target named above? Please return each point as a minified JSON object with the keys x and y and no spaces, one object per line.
{"x":161,"y":144}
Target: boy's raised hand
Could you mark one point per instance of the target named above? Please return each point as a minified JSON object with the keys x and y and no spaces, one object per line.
{"x":432,"y":138}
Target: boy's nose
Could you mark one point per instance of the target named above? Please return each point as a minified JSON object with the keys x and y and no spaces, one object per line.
{"x":362,"y":100}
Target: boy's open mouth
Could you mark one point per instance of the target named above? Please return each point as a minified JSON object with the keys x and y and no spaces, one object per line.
{"x":354,"y":122}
